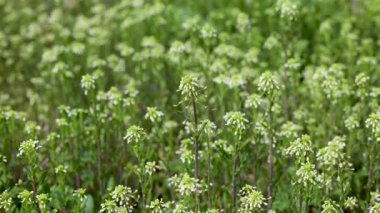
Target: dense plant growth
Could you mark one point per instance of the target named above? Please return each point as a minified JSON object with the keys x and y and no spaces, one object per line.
{"x":189,"y":106}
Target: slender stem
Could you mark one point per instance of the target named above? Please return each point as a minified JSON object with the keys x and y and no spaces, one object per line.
{"x":370,"y":166}
{"x":98,"y":146}
{"x":234,"y":192}
{"x":208,"y":174}
{"x":364,"y":106}
{"x":119,"y":166}
{"x":34,"y":185}
{"x":254,"y":168}
{"x":196,"y":154}
{"x":300,"y":200}
{"x":270,"y":160}
{"x":99,"y":167}
{"x":142,"y":185}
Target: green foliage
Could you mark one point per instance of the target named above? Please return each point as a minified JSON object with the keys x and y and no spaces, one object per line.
{"x":189,"y":106}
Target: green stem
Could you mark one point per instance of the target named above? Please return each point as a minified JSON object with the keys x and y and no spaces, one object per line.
{"x":196,"y":154}
{"x":270,"y":160}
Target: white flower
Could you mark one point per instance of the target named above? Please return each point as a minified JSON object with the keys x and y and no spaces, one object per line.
{"x":189,"y":87}
{"x":375,"y":197}
{"x":252,"y":101}
{"x":207,"y":127}
{"x":185,"y":184}
{"x":28,"y":148}
{"x":375,"y":208}
{"x":42,"y":200}
{"x":251,"y":199}
{"x":289,"y":130}
{"x":242,"y":22}
{"x":185,"y":151}
{"x":178,"y":47}
{"x":26,"y":197}
{"x":135,"y":134}
{"x":122,"y":197}
{"x":109,"y":206}
{"x":80,"y":194}
{"x":180,"y":208}
{"x":373,"y":123}
{"x":61,"y":122}
{"x":6,"y":202}
{"x":208,"y":32}
{"x":301,"y":147}
{"x":293,"y":64}
{"x":306,"y":174}
{"x":153,"y":114}
{"x":77,"y":48}
{"x":351,"y":122}
{"x":234,"y":81}
{"x":87,"y":83}
{"x":330,"y":207}
{"x":151,"y":167}
{"x":157,"y":206}
{"x":287,"y":9}
{"x":333,"y":155}
{"x":271,"y":42}
{"x":61,"y":169}
{"x":236,"y":120}
{"x":267,"y":83}
{"x":361,"y":79}
{"x":351,"y":203}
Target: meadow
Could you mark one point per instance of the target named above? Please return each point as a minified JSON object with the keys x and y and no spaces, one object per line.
{"x":187,"y":106}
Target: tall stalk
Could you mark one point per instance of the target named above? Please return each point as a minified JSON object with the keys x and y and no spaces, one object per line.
{"x":190,"y":90}
{"x":196,"y":153}
{"x":208,"y":174}
{"x":234,"y":176}
{"x":268,"y":85}
{"x":235,"y":120}
{"x":270,"y":160}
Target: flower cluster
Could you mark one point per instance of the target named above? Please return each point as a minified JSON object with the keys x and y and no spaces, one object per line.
{"x":330,"y":206}
{"x":207,"y":127}
{"x":351,"y":203}
{"x":351,"y":122}
{"x":185,"y":184}
{"x":6,"y":202}
{"x":252,"y":101}
{"x":43,"y":200}
{"x":237,"y":121}
{"x":153,"y":114}
{"x":157,"y":206}
{"x":287,"y":8}
{"x":190,"y":87}
{"x":28,"y":149}
{"x":135,"y":134}
{"x":307,"y":175}
{"x":208,"y":31}
{"x":333,"y":154}
{"x":122,"y":199}
{"x":151,"y":167}
{"x":87,"y":83}
{"x":185,"y":151}
{"x":251,"y":199}
{"x":268,"y":83}
{"x":26,"y":197}
{"x":300,"y":148}
{"x":361,"y":79}
{"x":80,"y":194}
{"x":373,"y":123}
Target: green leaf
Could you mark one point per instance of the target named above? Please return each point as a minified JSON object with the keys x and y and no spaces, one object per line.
{"x":89,"y":207}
